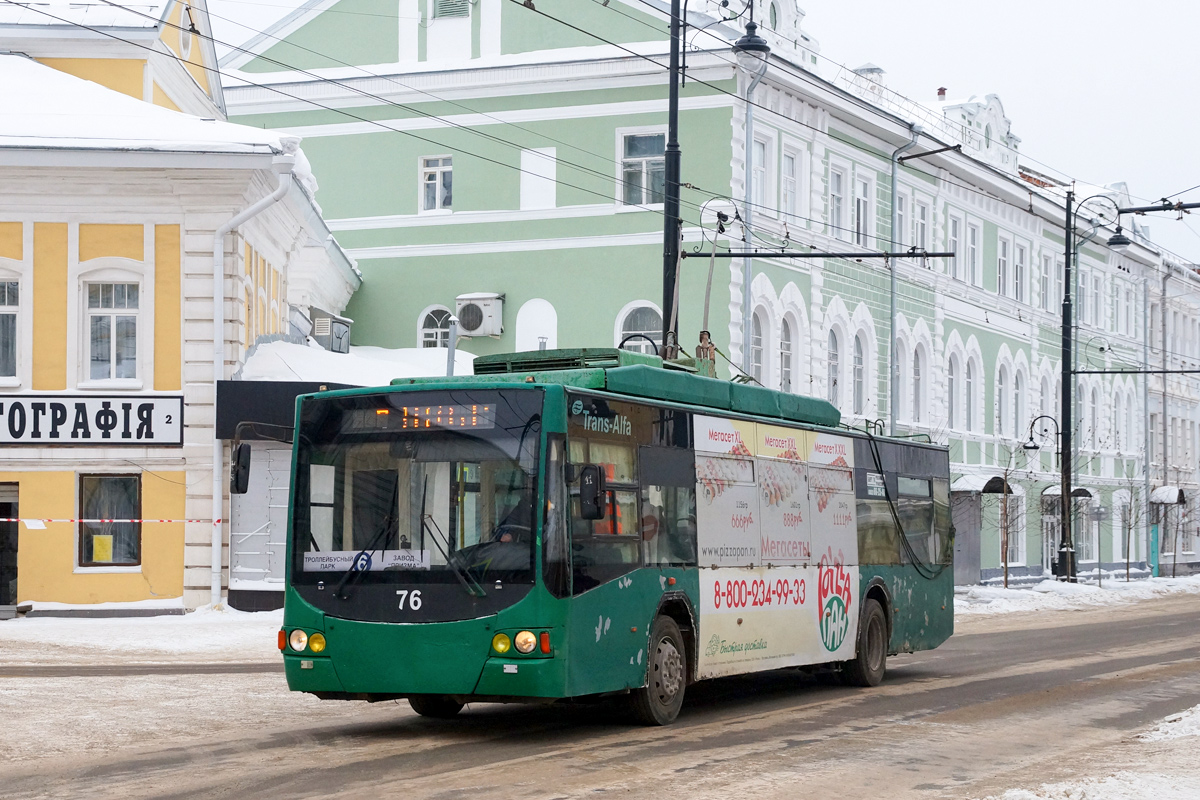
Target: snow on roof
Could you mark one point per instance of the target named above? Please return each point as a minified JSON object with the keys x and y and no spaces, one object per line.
{"x":93,"y":13}
{"x":362,"y":366}
{"x":45,"y":108}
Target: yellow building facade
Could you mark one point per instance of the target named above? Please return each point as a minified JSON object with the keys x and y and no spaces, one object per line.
{"x":107,"y":374}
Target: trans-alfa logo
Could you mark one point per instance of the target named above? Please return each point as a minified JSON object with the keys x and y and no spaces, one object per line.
{"x":833,"y":600}
{"x":577,"y":408}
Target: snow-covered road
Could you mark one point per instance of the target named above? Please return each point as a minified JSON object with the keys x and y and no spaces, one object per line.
{"x":1053,"y":595}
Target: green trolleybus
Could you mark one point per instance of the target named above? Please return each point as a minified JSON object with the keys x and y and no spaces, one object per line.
{"x":574,"y":524}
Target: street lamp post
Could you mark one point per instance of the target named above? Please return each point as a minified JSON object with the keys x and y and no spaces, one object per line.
{"x":1066,"y":561}
{"x":751,"y":51}
{"x":671,"y":222}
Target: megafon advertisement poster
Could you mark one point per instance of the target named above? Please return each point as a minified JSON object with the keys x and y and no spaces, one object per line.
{"x":778,"y":551}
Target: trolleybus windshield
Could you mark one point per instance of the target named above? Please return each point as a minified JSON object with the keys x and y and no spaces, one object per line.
{"x":417,"y":487}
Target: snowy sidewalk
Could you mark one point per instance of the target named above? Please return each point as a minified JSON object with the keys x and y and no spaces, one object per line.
{"x":1053,"y":595}
{"x":202,"y":636}
{"x":1171,"y":746}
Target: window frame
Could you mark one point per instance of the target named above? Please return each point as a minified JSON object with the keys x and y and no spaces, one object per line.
{"x":859,"y":377}
{"x":621,"y":134}
{"x":1020,"y":272}
{"x":619,"y":332}
{"x":421,"y":170}
{"x":954,"y":238}
{"x":922,"y":214}
{"x":15,"y":311}
{"x":105,"y":566}
{"x":864,"y":212}
{"x":143,"y":320}
{"x":1003,"y":263}
{"x":833,"y":367}
{"x":787,"y":354}
{"x":421,"y":329}
{"x":836,"y":223}
{"x":974,"y":273}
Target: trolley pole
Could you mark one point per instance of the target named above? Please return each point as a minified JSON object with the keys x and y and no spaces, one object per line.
{"x":671,"y":222}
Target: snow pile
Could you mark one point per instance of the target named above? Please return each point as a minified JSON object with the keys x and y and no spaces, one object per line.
{"x":1050,"y":595}
{"x":362,"y":366}
{"x":1175,"y":726}
{"x":1122,"y":786}
{"x":207,"y":634}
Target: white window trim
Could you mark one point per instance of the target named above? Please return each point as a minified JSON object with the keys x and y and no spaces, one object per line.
{"x":923,"y":201}
{"x":1026,"y":283}
{"x":871,"y":232}
{"x":977,"y":227}
{"x":109,"y":270}
{"x":771,"y":198}
{"x":421,"y":211}
{"x":421,"y":320}
{"x":618,"y":185}
{"x":1004,"y":287}
{"x":619,"y":322}
{"x":840,"y":229}
{"x":799,"y":150}
{"x":22,"y":273}
{"x":957,"y":267}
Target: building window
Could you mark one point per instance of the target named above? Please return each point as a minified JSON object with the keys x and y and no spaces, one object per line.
{"x":451,"y":8}
{"x":916,"y":385}
{"x":1018,"y":404}
{"x":1094,"y":421}
{"x":1002,"y":275}
{"x":435,"y":328}
{"x":111,"y":498}
{"x":756,"y":347}
{"x":954,"y":242}
{"x":973,"y":254}
{"x":1081,"y":296}
{"x":921,"y":226}
{"x":785,"y":356}
{"x":1044,"y":283}
{"x":969,"y":397}
{"x":951,"y":392}
{"x":837,"y":201}
{"x":1129,"y":311}
{"x":1058,"y":287}
{"x":860,"y":389}
{"x":112,"y":315}
{"x":9,"y":300}
{"x":1097,"y":293}
{"x":437,"y":182}
{"x":791,"y":191}
{"x":1019,"y":274}
{"x":760,"y":175}
{"x":901,"y":232}
{"x":1117,"y":417}
{"x":643,"y":168}
{"x":834,"y":366}
{"x":641,"y":330}
{"x":862,"y":213}
{"x":774,"y":15}
{"x":1001,"y":401}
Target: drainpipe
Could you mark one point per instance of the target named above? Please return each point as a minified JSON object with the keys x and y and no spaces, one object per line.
{"x":747,"y":211}
{"x":282,"y":165}
{"x":893,"y":362}
{"x":1151,"y":561}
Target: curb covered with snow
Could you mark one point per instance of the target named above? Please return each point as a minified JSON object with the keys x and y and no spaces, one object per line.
{"x":1052,"y":595}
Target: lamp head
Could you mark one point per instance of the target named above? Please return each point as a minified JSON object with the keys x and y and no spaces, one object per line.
{"x":751,"y":49}
{"x":1031,"y":445}
{"x":1119,"y":241}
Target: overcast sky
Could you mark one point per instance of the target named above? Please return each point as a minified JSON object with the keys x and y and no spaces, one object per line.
{"x":1101,"y":90}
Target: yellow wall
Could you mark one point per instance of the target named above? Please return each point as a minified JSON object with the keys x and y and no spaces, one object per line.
{"x":49,"y":306}
{"x":161,"y":99}
{"x":168,"y":300}
{"x":119,"y":241}
{"x":12,"y":243}
{"x":46,"y":558}
{"x":170,"y":36}
{"x":123,"y":75}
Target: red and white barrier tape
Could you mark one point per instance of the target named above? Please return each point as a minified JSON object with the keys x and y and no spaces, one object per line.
{"x":102,"y":521}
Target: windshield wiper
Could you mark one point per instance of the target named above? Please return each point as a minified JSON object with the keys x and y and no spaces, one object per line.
{"x":371,"y":547}
{"x":462,"y":573}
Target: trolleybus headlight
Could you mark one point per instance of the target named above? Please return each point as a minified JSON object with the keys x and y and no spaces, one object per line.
{"x":525,"y":641}
{"x":316,"y":643}
{"x":298,"y":639}
{"x":501,"y":643}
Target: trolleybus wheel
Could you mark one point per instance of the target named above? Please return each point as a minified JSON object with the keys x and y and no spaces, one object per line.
{"x":870,"y":661}
{"x":659,"y":701}
{"x":438,"y":706}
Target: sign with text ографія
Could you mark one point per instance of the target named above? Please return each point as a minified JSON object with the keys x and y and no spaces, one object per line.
{"x":91,"y":420}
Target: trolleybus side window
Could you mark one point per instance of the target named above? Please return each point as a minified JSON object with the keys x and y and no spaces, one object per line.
{"x":556,"y":554}
{"x":668,"y":524}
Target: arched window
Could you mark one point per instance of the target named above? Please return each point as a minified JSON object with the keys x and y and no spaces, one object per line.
{"x":1018,"y":404}
{"x":785,"y":356}
{"x":916,"y":385}
{"x":1118,"y":419}
{"x":1044,"y":405}
{"x":774,"y":17}
{"x":969,"y":396}
{"x":756,"y":347}
{"x":640,"y":324}
{"x":951,"y":392}
{"x":1129,"y":410}
{"x":435,"y":328}
{"x":1095,"y":419}
{"x":860,"y":389}
{"x":1001,"y":400}
{"x":834,"y":367}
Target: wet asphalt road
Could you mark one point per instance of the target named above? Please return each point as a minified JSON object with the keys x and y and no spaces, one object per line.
{"x":1000,"y":705}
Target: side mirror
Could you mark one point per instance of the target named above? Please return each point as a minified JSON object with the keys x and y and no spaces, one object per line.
{"x":591,"y":492}
{"x":239,"y":469}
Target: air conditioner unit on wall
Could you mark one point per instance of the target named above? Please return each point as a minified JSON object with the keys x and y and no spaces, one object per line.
{"x":480,"y":314}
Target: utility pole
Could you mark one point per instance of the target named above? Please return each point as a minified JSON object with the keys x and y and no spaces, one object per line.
{"x":1066,"y":570}
{"x":671,"y":222}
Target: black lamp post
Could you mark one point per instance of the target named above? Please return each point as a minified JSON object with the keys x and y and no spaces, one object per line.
{"x":1066,"y":550}
{"x":1118,"y":242}
{"x":671,"y":222}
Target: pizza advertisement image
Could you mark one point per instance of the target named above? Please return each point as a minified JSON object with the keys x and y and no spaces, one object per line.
{"x":785,"y":534}
{"x":831,"y":503}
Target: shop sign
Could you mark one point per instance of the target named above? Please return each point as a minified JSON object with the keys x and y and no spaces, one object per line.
{"x":91,"y":420}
